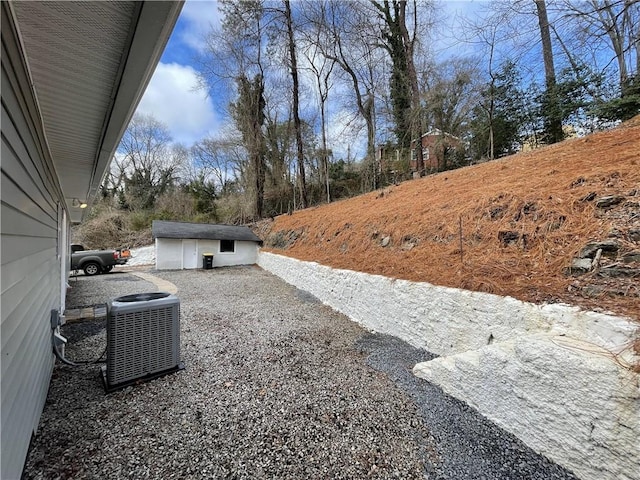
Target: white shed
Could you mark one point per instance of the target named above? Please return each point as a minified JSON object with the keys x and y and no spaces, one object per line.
{"x":182,"y":245}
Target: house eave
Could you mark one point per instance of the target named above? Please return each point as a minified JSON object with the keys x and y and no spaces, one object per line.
{"x":89,"y":64}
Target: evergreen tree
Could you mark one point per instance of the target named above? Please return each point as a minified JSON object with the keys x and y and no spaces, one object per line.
{"x":500,"y":115}
{"x":624,"y":107}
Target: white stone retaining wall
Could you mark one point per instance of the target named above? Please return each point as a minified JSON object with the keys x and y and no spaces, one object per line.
{"x":553,"y":375}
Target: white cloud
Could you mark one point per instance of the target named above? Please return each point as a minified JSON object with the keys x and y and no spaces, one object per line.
{"x":173,"y":98}
{"x":199,"y":17}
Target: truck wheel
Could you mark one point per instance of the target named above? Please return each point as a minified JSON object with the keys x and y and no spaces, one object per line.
{"x":107,"y":269}
{"x":91,"y":268}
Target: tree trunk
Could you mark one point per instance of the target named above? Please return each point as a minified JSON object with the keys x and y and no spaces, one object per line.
{"x":296,"y":100}
{"x":325,"y":153}
{"x":404,"y":80}
{"x":248,"y":113}
{"x":366,"y":106}
{"x":610,"y":21}
{"x":339,"y":53}
{"x":417,"y":128}
{"x":553,"y":119}
{"x":634,"y":34}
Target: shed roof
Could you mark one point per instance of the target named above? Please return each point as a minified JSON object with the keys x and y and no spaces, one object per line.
{"x":165,"y":229}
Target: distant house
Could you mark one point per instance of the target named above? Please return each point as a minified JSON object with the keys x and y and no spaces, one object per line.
{"x":438,"y":150}
{"x":391,"y":157}
{"x":182,"y":245}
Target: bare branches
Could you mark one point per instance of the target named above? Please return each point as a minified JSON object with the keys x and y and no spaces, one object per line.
{"x":146,"y":164}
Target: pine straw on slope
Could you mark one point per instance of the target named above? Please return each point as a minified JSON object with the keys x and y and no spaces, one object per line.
{"x":538,"y":199}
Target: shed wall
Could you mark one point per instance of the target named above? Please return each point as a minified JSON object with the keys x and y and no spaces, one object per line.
{"x":170,"y":253}
{"x":246,"y":254}
{"x":31,"y":259}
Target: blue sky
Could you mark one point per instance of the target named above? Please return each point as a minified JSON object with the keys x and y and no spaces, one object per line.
{"x":173,"y":96}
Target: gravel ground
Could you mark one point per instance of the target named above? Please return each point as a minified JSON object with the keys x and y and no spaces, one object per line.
{"x":276,"y":385}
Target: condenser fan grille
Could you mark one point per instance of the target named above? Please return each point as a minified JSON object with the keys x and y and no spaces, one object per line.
{"x":143,"y":337}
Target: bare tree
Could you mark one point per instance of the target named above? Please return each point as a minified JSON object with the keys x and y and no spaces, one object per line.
{"x":485,"y":33}
{"x":551,"y":109}
{"x":221,"y":159}
{"x":489,"y":38}
{"x":400,"y":43}
{"x":236,"y":58}
{"x":619,"y":22}
{"x":296,"y":101}
{"x":451,"y":93}
{"x":614,"y":23}
{"x":322,"y":69}
{"x":146,"y":158}
{"x":351,"y":43}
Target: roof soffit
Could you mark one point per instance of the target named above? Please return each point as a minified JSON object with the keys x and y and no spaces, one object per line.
{"x":90,"y":63}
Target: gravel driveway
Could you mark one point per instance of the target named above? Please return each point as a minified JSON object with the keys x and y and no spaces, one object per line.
{"x":276,"y":385}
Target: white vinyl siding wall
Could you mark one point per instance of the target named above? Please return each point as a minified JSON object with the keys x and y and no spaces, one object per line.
{"x":31,"y":273}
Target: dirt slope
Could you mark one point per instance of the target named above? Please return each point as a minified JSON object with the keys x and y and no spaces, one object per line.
{"x":510,"y":227}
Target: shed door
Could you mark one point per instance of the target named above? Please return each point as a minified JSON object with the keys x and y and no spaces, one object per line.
{"x":189,"y":253}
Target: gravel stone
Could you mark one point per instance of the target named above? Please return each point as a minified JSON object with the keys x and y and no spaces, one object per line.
{"x":276,"y":385}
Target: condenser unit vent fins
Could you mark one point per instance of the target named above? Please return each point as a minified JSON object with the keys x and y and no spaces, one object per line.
{"x":143,"y":338}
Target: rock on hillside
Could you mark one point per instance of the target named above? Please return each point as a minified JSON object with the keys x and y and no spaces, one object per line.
{"x":559,"y":224}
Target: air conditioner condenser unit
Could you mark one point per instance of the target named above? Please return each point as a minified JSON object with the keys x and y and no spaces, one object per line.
{"x":143,"y":339}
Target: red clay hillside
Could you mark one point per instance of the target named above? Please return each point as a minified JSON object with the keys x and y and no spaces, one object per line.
{"x":558,"y":224}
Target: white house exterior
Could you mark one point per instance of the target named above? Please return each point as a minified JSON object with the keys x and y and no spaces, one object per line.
{"x":72,"y":76}
{"x":182,"y":245}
